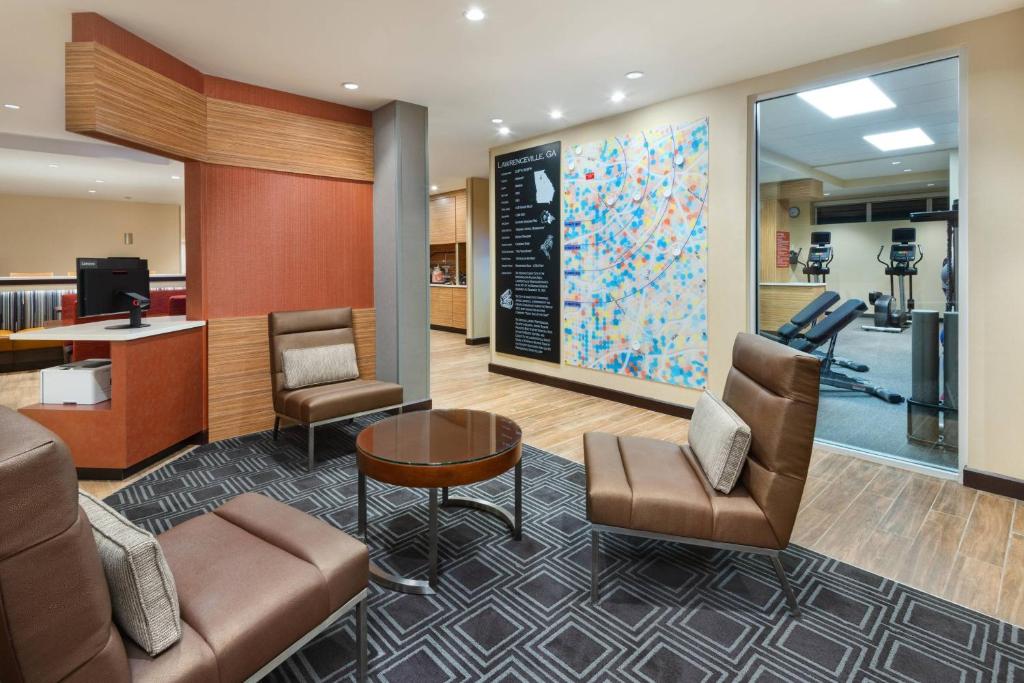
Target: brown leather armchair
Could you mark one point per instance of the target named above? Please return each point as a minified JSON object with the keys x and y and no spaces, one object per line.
{"x":656,"y":489}
{"x":325,"y":403}
{"x":256,"y":580}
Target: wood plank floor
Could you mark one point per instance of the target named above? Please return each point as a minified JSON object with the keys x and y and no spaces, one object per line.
{"x":938,"y":536}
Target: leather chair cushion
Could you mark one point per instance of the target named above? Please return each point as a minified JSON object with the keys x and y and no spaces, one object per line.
{"x":35,"y":472}
{"x":255,"y":575}
{"x":190,"y":660}
{"x":313,"y":404}
{"x":247,"y":599}
{"x":343,"y":561}
{"x":657,"y":486}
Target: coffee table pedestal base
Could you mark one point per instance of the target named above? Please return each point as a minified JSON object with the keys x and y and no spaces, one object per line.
{"x":419,"y":587}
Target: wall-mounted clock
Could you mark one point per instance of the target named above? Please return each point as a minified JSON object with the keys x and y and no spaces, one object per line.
{"x":794,"y":211}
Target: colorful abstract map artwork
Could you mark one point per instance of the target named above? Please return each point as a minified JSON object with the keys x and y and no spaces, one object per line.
{"x":635,"y":254}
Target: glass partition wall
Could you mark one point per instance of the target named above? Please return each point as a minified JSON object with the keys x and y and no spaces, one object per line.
{"x":857,"y":254}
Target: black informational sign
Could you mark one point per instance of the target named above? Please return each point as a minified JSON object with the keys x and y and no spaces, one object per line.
{"x":527,"y":208}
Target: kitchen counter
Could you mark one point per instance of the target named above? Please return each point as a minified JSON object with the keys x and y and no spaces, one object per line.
{"x":449,"y":286}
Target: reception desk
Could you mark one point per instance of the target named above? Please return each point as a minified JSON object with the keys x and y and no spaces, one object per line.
{"x":156,"y":397}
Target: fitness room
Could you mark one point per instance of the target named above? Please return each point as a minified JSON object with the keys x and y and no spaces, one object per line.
{"x":858,"y":185}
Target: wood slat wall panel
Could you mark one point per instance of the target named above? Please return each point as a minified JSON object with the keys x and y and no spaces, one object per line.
{"x":112,"y":97}
{"x":460,"y":216}
{"x":805,"y":189}
{"x":238,"y":394}
{"x":780,"y":302}
{"x":235,"y":91}
{"x":364,"y":323}
{"x":240,"y":134}
{"x":108,"y":95}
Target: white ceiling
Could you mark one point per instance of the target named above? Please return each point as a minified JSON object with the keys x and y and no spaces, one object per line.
{"x":127,"y":175}
{"x":525,"y":58}
{"x":925,"y":96}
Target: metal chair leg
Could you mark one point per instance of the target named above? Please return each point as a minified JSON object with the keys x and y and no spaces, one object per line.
{"x":786,"y":588}
{"x":311,"y":444}
{"x":362,"y":647}
{"x":595,"y":564}
{"x":277,"y":425}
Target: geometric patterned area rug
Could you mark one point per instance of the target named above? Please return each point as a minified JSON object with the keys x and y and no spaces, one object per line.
{"x":513,"y":610}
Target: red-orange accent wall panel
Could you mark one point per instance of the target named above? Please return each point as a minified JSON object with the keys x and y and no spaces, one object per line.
{"x":279,"y":241}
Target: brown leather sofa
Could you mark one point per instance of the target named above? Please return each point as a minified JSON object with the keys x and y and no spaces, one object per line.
{"x":325,"y":403}
{"x":656,"y":489}
{"x":256,"y":580}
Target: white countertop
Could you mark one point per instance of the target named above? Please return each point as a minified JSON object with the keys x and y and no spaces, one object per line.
{"x":449,"y":286}
{"x":791,"y":284}
{"x":97,"y":331}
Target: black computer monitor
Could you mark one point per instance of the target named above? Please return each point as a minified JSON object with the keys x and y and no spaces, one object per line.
{"x":113,"y":285}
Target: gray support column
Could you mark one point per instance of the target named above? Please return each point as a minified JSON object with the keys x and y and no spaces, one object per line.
{"x":400,"y":247}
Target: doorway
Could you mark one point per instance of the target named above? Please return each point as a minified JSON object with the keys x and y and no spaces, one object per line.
{"x":857,"y":248}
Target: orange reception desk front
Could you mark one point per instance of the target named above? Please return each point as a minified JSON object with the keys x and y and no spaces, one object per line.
{"x":156,"y":396}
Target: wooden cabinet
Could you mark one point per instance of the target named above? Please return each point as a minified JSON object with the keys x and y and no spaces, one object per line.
{"x":448,"y":235}
{"x":442,"y":219}
{"x":448,"y":306}
{"x":441,"y":306}
{"x":460,"y":217}
{"x":459,"y":307}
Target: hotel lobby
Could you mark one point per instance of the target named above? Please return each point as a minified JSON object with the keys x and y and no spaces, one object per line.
{"x":548,"y":343}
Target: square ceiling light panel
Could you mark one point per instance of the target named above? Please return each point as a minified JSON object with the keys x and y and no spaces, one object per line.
{"x":900,"y":139}
{"x":847,"y":99}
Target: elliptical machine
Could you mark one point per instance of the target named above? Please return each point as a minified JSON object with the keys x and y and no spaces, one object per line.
{"x":892,"y":314}
{"x":819,"y":257}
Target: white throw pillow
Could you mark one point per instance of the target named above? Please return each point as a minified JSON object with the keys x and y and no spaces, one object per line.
{"x":142,"y":590}
{"x":720,"y":440}
{"x":319,"y":365}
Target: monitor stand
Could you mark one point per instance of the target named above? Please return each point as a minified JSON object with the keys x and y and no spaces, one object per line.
{"x":134,"y":320}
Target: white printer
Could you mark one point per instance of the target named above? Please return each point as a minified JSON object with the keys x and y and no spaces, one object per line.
{"x":85,"y":381}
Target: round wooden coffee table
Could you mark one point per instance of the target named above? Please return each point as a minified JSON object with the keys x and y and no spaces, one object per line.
{"x":438,"y":449}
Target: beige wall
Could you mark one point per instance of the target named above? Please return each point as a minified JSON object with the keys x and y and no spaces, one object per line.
{"x":46,"y":234}
{"x":478,"y":323}
{"x":855,"y":272}
{"x":991,"y":156}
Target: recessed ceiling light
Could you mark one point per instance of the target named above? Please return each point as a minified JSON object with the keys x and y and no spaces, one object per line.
{"x":633,"y":75}
{"x":896,"y":163}
{"x":931,"y":184}
{"x":828,"y":194}
{"x":433,"y":188}
{"x":474,"y":14}
{"x":100,"y":181}
{"x":497,"y":120}
{"x":900,"y":139}
{"x":349,"y":85}
{"x":54,"y":165}
{"x":848,"y":99}
{"x":556,"y":113}
{"x":618,"y":96}
{"x":92,"y":191}
{"x":12,"y":106}
{"x":504,"y":130}
{"x":175,"y":177}
{"x":907,"y":170}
